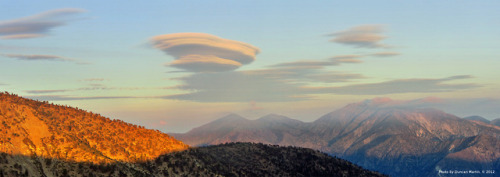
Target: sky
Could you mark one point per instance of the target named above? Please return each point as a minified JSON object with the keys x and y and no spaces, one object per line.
{"x":175,"y":65}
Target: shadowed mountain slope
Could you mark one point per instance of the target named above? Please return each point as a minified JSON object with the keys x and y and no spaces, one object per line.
{"x":234,"y":159}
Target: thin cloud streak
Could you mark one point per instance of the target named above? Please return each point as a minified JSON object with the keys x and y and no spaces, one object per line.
{"x":334,"y":77}
{"x":290,"y":82}
{"x":37,"y":57}
{"x":22,"y":36}
{"x":42,"y":58}
{"x":305,"y":63}
{"x":94,"y":80}
{"x":334,"y":61}
{"x":338,"y":57}
{"x":236,"y":87}
{"x":385,"y":54}
{"x":284,"y":87}
{"x":69,"y":98}
{"x":45,"y":91}
{"x":401,"y":86}
{"x":38,"y":25}
{"x":93,"y":87}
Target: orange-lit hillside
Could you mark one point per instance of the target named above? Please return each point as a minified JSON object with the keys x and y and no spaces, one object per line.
{"x":35,"y":128}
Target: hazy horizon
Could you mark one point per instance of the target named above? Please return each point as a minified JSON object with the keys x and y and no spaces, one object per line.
{"x":173,"y":66}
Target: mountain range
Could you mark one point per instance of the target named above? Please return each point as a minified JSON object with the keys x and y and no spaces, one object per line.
{"x":380,"y":134}
{"x":40,"y":139}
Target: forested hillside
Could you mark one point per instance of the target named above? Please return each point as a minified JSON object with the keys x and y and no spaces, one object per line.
{"x":233,"y":159}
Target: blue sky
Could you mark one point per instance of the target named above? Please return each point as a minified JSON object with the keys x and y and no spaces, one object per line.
{"x":305,"y":59}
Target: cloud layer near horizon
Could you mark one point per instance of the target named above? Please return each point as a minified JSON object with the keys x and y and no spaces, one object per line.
{"x":38,"y":25}
{"x":291,"y":82}
{"x":201,"y":52}
{"x":401,"y":86}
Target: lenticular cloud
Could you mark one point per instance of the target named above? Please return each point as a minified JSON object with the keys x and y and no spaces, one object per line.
{"x":38,"y":25}
{"x":364,"y":36}
{"x":200,"y":52}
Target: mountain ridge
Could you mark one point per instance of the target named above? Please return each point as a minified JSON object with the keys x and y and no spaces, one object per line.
{"x":384,"y":135}
{"x":34,"y":128}
{"x":477,"y":118}
{"x":43,"y":139}
{"x":495,"y":122}
{"x":232,"y":159}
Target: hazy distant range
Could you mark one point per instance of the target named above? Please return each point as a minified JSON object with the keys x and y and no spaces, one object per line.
{"x":393,"y":137}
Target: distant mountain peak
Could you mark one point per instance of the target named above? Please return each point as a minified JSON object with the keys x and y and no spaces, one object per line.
{"x":378,"y":101}
{"x":495,"y":122}
{"x":477,"y":118}
{"x":232,"y":117}
{"x":273,"y":117}
{"x":430,"y":99}
{"x":375,"y":102}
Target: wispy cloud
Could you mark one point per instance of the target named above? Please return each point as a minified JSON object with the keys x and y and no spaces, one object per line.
{"x":200,"y":52}
{"x":90,"y":87}
{"x":401,"y":86}
{"x":305,"y":63}
{"x":281,"y":86}
{"x":41,"y":58}
{"x":339,"y":57}
{"x":65,"y":98}
{"x":45,"y":91}
{"x":301,"y":74}
{"x":385,"y":54}
{"x":333,"y":61}
{"x":346,"y":59}
{"x":334,"y":77}
{"x":366,"y":36}
{"x":38,"y":25}
{"x":236,"y":87}
{"x":37,"y":57}
{"x":93,"y":80}
{"x":277,"y":83}
{"x":291,"y":81}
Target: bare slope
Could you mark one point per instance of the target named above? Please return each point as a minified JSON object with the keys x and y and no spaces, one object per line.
{"x":34,"y":128}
